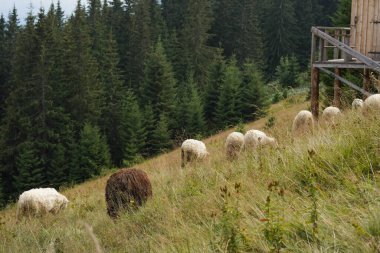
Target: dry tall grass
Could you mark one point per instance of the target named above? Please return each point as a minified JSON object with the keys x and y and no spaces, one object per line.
{"x":314,"y":194}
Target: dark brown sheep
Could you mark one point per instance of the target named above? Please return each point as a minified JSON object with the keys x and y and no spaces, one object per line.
{"x":127,"y":189}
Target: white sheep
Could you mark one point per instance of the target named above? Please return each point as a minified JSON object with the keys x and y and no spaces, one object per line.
{"x":303,"y":123}
{"x":357,"y":104}
{"x":234,"y":144}
{"x":192,"y":150}
{"x":40,"y":201}
{"x":372,"y":104}
{"x":330,"y":114}
{"x":255,"y":138}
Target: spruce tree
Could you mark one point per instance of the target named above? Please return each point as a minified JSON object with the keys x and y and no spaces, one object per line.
{"x":194,"y":36}
{"x":190,"y":112}
{"x":237,"y":29}
{"x":217,"y":72}
{"x":133,"y":130}
{"x":114,"y":92}
{"x":149,"y":123}
{"x":92,"y":154}
{"x":342,"y":16}
{"x":280,"y":31}
{"x":3,"y":68}
{"x":306,"y":13}
{"x":83,"y":93}
{"x":9,"y":31}
{"x":159,"y":85}
{"x":228,"y":105}
{"x":253,"y":97}
{"x":29,"y":167}
{"x":174,"y":12}
{"x":21,"y":107}
{"x":161,"y":140}
{"x":287,"y":72}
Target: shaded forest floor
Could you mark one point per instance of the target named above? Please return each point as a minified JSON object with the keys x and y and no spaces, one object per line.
{"x":318,"y":193}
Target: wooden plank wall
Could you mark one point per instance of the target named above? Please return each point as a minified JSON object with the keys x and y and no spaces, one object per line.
{"x":365,"y":33}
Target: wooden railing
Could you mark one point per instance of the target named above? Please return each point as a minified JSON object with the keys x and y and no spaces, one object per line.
{"x":331,"y":44}
{"x":330,"y":48}
{"x":322,"y":49}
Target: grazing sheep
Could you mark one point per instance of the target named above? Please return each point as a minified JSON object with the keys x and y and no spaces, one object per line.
{"x":234,"y":144}
{"x":40,"y":201}
{"x":255,"y":138}
{"x":303,"y":123}
{"x":127,"y":189}
{"x":330,"y":114}
{"x":357,"y":104}
{"x":192,"y":150}
{"x":372,"y":104}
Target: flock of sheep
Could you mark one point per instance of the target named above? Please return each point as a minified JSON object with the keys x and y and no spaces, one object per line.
{"x":129,"y":188}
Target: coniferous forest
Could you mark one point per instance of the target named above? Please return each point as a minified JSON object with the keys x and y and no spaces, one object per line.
{"x":119,"y":81}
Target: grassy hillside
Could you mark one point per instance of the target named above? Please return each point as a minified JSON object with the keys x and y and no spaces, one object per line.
{"x":314,"y":194}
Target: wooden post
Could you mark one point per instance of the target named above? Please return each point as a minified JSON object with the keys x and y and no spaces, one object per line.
{"x":366,"y":82}
{"x":337,"y":89}
{"x":315,"y":92}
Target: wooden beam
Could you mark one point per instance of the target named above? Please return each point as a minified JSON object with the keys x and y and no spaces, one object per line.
{"x":351,"y":84}
{"x":340,"y":65}
{"x":366,"y":82}
{"x":315,"y":92}
{"x":337,"y":89}
{"x":347,"y":49}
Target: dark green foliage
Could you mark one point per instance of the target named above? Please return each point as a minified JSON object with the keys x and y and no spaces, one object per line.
{"x":83,"y":91}
{"x":137,"y":76}
{"x":190,"y":113}
{"x":306,"y":13}
{"x":196,"y":54}
{"x":159,"y":84}
{"x":216,"y":76}
{"x":228,"y":105}
{"x":149,"y":123}
{"x":253,"y":97}
{"x":237,"y":29}
{"x":91,"y":153}
{"x":280,"y":30}
{"x":342,"y":17}
{"x":161,"y":141}
{"x":133,"y":132}
{"x":30,"y":168}
{"x":288,"y":71}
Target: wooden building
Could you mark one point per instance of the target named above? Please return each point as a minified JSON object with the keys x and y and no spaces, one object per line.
{"x":365,"y":27}
{"x":336,"y":48}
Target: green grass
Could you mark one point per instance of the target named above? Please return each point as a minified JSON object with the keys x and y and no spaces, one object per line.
{"x":314,"y":194}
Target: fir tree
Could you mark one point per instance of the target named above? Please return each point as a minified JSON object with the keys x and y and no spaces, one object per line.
{"x":149,"y":123}
{"x":280,"y":31}
{"x":83,"y":91}
{"x":3,"y":68}
{"x":92,"y":154}
{"x":342,"y":16}
{"x":161,"y":141}
{"x":217,"y":72}
{"x":30,"y":168}
{"x":190,"y":113}
{"x":159,"y":83}
{"x":228,"y":105}
{"x":287,"y":72}
{"x":196,"y":54}
{"x":134,"y":132}
{"x":9,"y":31}
{"x":114,"y":91}
{"x":253,"y":99}
{"x":237,"y":28}
{"x":22,"y":104}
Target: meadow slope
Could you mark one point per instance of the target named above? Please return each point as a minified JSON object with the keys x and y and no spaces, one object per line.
{"x":318,"y":193}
